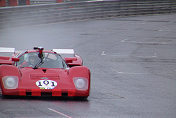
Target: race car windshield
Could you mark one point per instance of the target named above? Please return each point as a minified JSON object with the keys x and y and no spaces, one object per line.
{"x":50,"y":60}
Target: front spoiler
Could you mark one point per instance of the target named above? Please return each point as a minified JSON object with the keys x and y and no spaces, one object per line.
{"x":40,"y":92}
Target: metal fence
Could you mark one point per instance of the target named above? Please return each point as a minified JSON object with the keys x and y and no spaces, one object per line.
{"x":40,"y":14}
{"x":35,"y":2}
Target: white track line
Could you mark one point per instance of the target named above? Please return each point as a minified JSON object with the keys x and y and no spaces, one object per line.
{"x":60,"y":113}
{"x":131,"y":73}
{"x":147,"y":43}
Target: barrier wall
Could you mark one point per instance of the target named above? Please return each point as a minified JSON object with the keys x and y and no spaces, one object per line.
{"x":40,"y":14}
{"x":4,"y":3}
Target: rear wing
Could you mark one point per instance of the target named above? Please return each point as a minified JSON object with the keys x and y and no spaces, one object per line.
{"x":6,"y":50}
{"x":65,"y":52}
{"x":6,"y":54}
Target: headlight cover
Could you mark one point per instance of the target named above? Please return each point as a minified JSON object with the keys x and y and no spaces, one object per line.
{"x":10,"y":82}
{"x":80,"y":83}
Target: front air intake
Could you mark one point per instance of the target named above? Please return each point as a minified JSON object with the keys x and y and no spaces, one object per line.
{"x":65,"y":94}
{"x":46,"y":93}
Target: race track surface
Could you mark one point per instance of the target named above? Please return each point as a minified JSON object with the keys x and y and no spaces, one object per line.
{"x":132,"y":62}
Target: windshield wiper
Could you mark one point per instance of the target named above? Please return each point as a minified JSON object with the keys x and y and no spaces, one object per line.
{"x":38,"y":65}
{"x":40,"y":55}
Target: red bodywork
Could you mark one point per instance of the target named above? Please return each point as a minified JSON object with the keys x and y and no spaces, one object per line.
{"x":74,"y":61}
{"x":28,"y":78}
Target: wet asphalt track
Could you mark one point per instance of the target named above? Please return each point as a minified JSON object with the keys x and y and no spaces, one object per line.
{"x":132,"y":60}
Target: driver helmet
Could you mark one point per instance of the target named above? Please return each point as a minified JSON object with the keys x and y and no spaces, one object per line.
{"x":30,"y":57}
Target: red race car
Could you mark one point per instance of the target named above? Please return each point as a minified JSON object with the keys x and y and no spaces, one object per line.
{"x":40,"y":72}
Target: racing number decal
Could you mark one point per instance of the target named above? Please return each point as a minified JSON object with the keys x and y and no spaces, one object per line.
{"x":46,"y":84}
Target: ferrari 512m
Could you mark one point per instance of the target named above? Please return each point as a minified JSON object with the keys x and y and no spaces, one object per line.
{"x":39,"y":72}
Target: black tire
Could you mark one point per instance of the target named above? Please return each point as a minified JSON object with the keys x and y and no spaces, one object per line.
{"x":82,"y":98}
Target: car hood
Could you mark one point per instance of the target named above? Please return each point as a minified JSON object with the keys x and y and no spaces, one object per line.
{"x":43,"y":78}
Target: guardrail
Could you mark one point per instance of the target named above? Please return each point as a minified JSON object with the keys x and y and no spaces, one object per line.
{"x":39,"y":14}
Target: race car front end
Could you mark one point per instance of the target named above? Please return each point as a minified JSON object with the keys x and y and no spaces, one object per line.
{"x":53,"y":82}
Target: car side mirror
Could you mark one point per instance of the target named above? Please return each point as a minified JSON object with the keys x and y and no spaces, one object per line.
{"x":70,"y":59}
{"x":15,"y":59}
